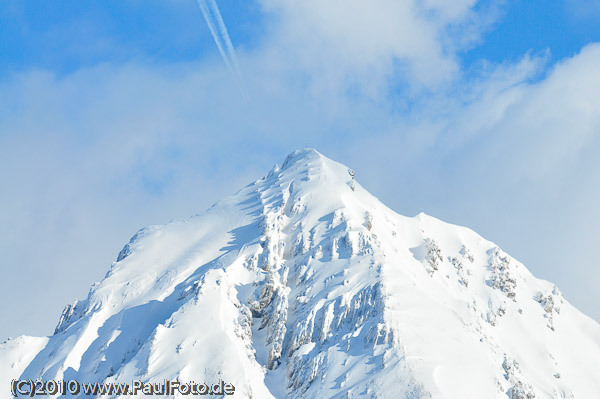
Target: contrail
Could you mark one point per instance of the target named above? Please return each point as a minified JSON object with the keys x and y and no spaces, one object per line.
{"x":219,"y":31}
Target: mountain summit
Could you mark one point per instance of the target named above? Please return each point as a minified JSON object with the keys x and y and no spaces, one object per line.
{"x":304,"y":285}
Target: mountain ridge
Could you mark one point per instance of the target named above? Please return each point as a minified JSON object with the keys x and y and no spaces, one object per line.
{"x":303,"y":284}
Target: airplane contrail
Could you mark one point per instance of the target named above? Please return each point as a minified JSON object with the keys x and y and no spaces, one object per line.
{"x":219,"y":32}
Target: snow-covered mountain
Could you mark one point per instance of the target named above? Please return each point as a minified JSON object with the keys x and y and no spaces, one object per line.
{"x":304,"y":285}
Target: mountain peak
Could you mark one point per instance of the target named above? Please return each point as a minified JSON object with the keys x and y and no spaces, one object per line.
{"x":303,"y":284}
{"x":313,"y":181}
{"x":309,"y":162}
{"x":301,"y":156}
{"x":300,"y":160}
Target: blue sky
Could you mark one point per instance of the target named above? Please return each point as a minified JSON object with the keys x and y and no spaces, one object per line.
{"x":64,"y":36}
{"x":562,"y":27}
{"x":115,"y":115}
{"x":68,"y":35}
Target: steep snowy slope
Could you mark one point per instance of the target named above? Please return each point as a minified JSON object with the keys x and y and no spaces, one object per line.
{"x":304,"y":285}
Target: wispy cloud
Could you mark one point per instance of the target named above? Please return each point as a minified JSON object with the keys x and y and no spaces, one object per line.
{"x":584,"y":9}
{"x":217,"y":27}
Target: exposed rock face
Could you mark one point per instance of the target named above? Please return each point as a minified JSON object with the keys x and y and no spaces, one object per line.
{"x":303,"y":285}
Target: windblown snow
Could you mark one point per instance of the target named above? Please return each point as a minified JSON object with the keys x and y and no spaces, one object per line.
{"x":304,"y":285}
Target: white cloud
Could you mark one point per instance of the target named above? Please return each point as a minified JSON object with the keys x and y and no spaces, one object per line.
{"x":550,"y":121}
{"x":342,"y":44}
{"x":583,"y":9}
